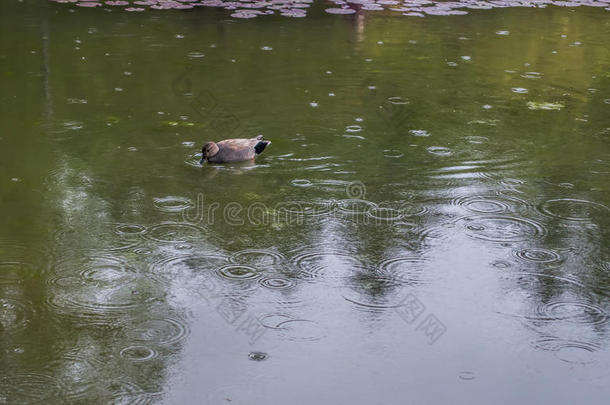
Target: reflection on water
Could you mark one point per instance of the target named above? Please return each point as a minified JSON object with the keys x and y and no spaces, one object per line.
{"x":246,"y":9}
{"x":440,"y":216}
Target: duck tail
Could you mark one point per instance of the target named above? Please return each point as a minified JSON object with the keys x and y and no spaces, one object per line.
{"x":260,"y":147}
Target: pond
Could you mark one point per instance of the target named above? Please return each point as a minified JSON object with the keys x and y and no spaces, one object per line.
{"x":430,"y":224}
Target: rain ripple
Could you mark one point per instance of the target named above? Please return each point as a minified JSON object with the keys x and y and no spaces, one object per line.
{"x":539,"y":255}
{"x":372,"y":292}
{"x":439,"y":151}
{"x":572,"y":312}
{"x":406,"y":269}
{"x":185,"y":267}
{"x":130,"y":229}
{"x":355,"y":206}
{"x":301,"y":330}
{"x":257,"y":257}
{"x":175,"y":232}
{"x":488,"y":204}
{"x":314,"y":265}
{"x":75,"y":298}
{"x":14,"y":272}
{"x":26,"y":388}
{"x":172,"y":203}
{"x":164,"y":332}
{"x":573,"y":209}
{"x":570,"y":351}
{"x":14,"y":314}
{"x":238,"y":272}
{"x":277,"y":283}
{"x":498,"y":228}
{"x":138,"y":353}
{"x":96,"y":287}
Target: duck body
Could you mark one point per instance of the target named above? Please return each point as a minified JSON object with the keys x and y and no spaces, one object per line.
{"x":233,"y":150}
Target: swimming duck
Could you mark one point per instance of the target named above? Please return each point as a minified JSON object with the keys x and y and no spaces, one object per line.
{"x":233,"y":150}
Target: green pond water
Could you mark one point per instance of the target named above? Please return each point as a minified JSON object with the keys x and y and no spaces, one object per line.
{"x":430,"y":224}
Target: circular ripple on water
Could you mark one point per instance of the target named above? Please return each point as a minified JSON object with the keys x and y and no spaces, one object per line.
{"x":272,"y":321}
{"x":107,"y":242}
{"x":373,"y":292}
{"x":439,"y":151}
{"x":138,"y":353}
{"x":409,"y":209}
{"x":466,"y":375}
{"x":501,"y":264}
{"x":301,"y":183}
{"x":175,"y":232}
{"x":129,"y":229}
{"x":477,"y":139}
{"x":26,"y":388}
{"x":167,"y":331}
{"x":497,"y":228}
{"x":90,"y":301}
{"x":398,"y":100}
{"x":238,"y":272}
{"x":301,"y":330}
{"x":14,"y":314}
{"x":526,"y":279}
{"x":403,"y":227}
{"x":419,"y":132}
{"x":355,"y":206}
{"x":18,"y":262}
{"x":291,"y":211}
{"x":257,"y":257}
{"x":109,"y":271}
{"x":393,"y":153}
{"x":570,"y":351}
{"x":572,"y":209}
{"x":277,"y":283}
{"x":353,"y":128}
{"x":13,"y":272}
{"x":144,"y":251}
{"x":488,"y":204}
{"x":406,"y":269}
{"x":539,"y":255}
{"x":172,"y":203}
{"x":314,"y":265}
{"x":384,"y":214}
{"x":186,"y":266}
{"x":99,"y":270}
{"x":116,"y":245}
{"x":511,"y":182}
{"x":126,"y":392}
{"x":195,"y":54}
{"x":97,"y":288}
{"x":78,"y":371}
{"x":436,"y":232}
{"x":572,"y":312}
{"x":522,"y":304}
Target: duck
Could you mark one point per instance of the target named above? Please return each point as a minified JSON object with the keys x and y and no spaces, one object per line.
{"x":233,"y":150}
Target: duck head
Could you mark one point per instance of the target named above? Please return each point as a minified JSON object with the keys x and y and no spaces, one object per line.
{"x":208,"y":150}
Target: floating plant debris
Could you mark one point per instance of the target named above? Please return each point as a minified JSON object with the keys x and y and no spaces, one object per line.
{"x":246,"y":9}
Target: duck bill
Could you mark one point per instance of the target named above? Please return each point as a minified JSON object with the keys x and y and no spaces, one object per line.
{"x":202,"y":161}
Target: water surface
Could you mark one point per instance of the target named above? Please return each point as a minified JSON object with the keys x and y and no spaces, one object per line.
{"x":429,"y":225}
